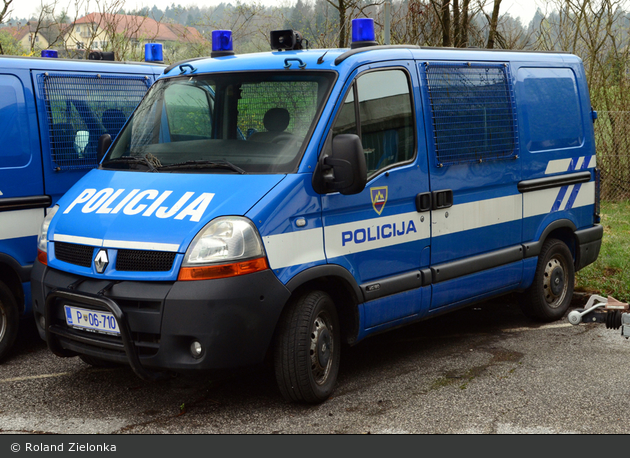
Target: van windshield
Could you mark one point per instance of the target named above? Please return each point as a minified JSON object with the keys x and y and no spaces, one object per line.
{"x":243,"y":122}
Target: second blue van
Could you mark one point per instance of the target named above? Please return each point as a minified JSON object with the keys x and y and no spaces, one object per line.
{"x":52,"y":113}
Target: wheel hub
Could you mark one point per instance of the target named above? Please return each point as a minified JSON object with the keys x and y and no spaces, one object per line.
{"x":555,"y":282}
{"x":321,"y":349}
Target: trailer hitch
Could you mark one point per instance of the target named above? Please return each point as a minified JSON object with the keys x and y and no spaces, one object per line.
{"x":607,"y":310}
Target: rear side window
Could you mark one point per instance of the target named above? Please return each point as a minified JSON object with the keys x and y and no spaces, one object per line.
{"x":81,"y":108}
{"x":472,"y":110}
{"x":552,"y":116}
{"x":386,"y":123}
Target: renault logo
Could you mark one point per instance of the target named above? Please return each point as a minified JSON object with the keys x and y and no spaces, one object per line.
{"x":100,"y":261}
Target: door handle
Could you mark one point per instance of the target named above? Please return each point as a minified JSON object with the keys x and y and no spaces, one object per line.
{"x":442,"y":199}
{"x":423,"y":202}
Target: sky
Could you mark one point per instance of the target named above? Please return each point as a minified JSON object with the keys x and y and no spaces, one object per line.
{"x":525,"y":9}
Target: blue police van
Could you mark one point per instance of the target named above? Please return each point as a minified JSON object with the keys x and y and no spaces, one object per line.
{"x":52,"y":113}
{"x":274,"y":206}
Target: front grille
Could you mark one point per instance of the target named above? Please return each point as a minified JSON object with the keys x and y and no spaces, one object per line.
{"x":144,"y":261}
{"x":80,"y":255}
{"x":126,"y":261}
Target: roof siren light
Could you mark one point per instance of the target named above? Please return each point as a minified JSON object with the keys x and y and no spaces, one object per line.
{"x":50,"y":53}
{"x":101,"y":55}
{"x":287,"y":39}
{"x":222,"y":43}
{"x":363,"y":33}
{"x":153,"y":52}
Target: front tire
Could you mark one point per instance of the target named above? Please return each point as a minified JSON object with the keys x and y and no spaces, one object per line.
{"x":9,"y":320}
{"x":307,"y":349}
{"x":549,"y":296}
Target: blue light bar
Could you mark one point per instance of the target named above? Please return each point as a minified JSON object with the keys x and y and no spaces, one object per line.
{"x":363,"y":33}
{"x":222,"y":43}
{"x":153,"y":52}
{"x":50,"y":53}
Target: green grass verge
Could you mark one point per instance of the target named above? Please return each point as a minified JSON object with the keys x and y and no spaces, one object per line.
{"x":610,"y":274}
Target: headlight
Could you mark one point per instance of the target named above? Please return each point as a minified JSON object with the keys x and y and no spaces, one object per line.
{"x":42,"y":238}
{"x":224,"y":240}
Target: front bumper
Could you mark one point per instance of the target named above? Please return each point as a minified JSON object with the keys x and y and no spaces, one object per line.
{"x":233,"y":319}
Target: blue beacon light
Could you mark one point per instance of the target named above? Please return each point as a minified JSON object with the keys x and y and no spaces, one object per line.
{"x":153,"y":52}
{"x":222,"y":43}
{"x":363,"y":33}
{"x":52,"y":53}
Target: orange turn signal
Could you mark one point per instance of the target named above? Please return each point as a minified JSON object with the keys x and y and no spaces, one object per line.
{"x":223,"y":270}
{"x":42,"y":257}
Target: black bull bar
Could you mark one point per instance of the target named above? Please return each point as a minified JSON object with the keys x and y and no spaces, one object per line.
{"x":98,"y":301}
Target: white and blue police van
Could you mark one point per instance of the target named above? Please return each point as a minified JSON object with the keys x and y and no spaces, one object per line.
{"x":52,"y":113}
{"x":271,"y":207}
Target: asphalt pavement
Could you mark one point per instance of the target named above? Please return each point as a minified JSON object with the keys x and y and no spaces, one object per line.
{"x":483,"y":370}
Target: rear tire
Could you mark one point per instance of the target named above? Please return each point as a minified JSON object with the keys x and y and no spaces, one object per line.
{"x":549,"y":296}
{"x":307,"y":349}
{"x":9,"y":320}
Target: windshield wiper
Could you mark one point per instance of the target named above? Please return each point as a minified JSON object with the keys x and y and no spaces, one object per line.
{"x":136,"y":160}
{"x":202,"y":164}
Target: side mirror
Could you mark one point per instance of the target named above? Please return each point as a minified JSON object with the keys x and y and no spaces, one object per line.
{"x":104,"y":142}
{"x":344,"y":169}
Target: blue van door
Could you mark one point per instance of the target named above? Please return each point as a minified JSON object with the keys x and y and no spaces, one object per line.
{"x":22,"y":199}
{"x":474,"y":166}
{"x":380,"y":235}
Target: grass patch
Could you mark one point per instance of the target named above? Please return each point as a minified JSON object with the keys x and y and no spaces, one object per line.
{"x":610,"y":274}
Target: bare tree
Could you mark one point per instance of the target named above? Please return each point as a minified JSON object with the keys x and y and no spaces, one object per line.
{"x":456,"y":20}
{"x":494,"y":21}
{"x":6,"y":10}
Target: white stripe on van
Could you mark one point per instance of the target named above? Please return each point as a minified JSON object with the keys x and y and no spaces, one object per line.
{"x":540,"y":202}
{"x":20,"y":223}
{"x":295,"y":248}
{"x":562,"y":165}
{"x":300,"y":247}
{"x":579,"y":163}
{"x":478,"y":214}
{"x":353,"y":237}
{"x":557,"y":166}
{"x":117,"y":244}
{"x":77,"y":240}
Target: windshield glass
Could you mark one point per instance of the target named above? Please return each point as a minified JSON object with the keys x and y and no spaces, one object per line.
{"x":245,"y":122}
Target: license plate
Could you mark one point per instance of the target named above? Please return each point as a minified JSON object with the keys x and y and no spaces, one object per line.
{"x":91,"y":320}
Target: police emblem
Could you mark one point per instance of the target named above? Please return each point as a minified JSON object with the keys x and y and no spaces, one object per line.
{"x":379,"y":198}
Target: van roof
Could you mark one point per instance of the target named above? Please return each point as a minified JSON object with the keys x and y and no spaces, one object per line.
{"x":335,"y":59}
{"x":47,"y":63}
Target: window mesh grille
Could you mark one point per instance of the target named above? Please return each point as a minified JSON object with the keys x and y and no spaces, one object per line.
{"x":299,"y":98}
{"x":473,"y":112}
{"x":81,"y":108}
